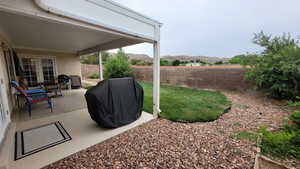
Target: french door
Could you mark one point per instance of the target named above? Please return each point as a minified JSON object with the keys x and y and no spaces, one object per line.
{"x":37,"y":70}
{"x":2,"y":111}
{"x":4,"y":116}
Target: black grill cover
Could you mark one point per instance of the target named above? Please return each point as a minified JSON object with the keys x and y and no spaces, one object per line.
{"x":115,"y":102}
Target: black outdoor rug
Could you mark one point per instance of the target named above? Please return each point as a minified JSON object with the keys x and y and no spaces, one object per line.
{"x":36,"y":139}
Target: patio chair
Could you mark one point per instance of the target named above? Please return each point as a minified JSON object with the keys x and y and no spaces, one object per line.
{"x":36,"y":98}
{"x":75,"y":81}
{"x":33,"y":97}
{"x":16,"y":85}
{"x":64,"y":81}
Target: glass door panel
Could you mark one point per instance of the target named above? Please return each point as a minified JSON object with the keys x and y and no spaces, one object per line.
{"x":48,"y":70}
{"x":30,"y":71}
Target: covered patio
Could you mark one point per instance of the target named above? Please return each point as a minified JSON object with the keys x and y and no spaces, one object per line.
{"x":82,"y":129}
{"x":62,"y":32}
{"x":70,"y":100}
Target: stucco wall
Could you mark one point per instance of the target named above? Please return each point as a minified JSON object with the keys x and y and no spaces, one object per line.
{"x":213,"y":77}
{"x":68,"y":65}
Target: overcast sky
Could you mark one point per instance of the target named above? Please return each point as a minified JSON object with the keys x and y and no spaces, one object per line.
{"x":222,"y":28}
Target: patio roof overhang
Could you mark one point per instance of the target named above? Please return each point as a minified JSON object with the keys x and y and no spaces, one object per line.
{"x":81,"y":26}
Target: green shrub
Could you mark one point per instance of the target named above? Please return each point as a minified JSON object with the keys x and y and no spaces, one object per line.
{"x":277,"y":69}
{"x":219,"y":63}
{"x":94,"y":76}
{"x":165,"y":62}
{"x":282,"y":144}
{"x":135,"y":61}
{"x":294,"y":103}
{"x":295,"y":117}
{"x":296,"y":141}
{"x":118,"y":66}
{"x":94,"y":58}
{"x":176,"y":63}
{"x":140,"y":62}
{"x":245,"y":59}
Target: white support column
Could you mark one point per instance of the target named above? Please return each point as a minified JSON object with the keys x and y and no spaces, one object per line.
{"x":156,"y":79}
{"x":100,"y":65}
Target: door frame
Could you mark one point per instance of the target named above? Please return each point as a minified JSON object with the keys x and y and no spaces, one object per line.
{"x":40,"y":76}
{"x":5,"y":118}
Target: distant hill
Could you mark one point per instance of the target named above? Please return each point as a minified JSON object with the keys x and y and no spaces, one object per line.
{"x":142,"y":57}
{"x":149,"y":59}
{"x":196,"y":58}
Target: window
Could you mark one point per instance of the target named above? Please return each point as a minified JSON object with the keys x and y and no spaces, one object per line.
{"x":38,"y":70}
{"x":30,"y":71}
{"x":48,"y":70}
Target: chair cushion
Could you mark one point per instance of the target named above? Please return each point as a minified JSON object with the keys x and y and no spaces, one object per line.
{"x":34,"y":91}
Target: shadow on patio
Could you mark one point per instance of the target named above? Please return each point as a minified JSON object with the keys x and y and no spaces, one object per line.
{"x":70,"y":101}
{"x":70,"y":110}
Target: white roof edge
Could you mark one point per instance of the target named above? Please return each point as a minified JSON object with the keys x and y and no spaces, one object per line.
{"x":58,"y":12}
{"x":133,"y":11}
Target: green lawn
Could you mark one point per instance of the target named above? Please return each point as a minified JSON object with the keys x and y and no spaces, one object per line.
{"x":185,"y":104}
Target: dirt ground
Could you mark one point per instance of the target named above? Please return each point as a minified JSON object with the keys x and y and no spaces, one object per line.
{"x":165,"y":144}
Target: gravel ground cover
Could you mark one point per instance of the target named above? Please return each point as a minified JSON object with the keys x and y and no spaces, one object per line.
{"x":165,"y":144}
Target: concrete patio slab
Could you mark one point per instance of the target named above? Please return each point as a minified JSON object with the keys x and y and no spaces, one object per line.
{"x":70,"y":101}
{"x":84,"y":133}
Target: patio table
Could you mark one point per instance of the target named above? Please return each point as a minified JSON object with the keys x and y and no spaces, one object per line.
{"x":53,"y":87}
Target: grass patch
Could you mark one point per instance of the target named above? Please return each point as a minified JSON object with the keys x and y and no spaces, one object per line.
{"x":221,"y":131}
{"x":94,"y":76}
{"x":237,"y":124}
{"x":245,"y":135}
{"x":186,"y":104}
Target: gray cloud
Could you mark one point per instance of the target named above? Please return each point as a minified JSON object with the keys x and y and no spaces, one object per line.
{"x":216,"y":27}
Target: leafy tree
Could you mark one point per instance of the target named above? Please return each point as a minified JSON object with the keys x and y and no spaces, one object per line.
{"x":93,"y":59}
{"x":164,"y":62}
{"x":277,"y":69}
{"x":236,"y":59}
{"x":135,"y":61}
{"x":245,"y":59}
{"x":140,"y":62}
{"x":203,"y":63}
{"x":118,"y":66}
{"x":219,"y":63}
{"x":176,"y":63}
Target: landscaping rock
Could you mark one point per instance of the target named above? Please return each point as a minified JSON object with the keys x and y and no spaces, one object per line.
{"x":165,"y":144}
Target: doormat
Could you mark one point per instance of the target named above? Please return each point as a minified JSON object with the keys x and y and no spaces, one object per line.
{"x":36,"y":139}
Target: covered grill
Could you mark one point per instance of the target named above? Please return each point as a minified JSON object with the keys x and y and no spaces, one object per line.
{"x":115,"y":102}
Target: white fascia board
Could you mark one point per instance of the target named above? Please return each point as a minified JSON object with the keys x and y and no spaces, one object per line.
{"x":133,"y":13}
{"x":28,"y":8}
{"x":105,"y":14}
